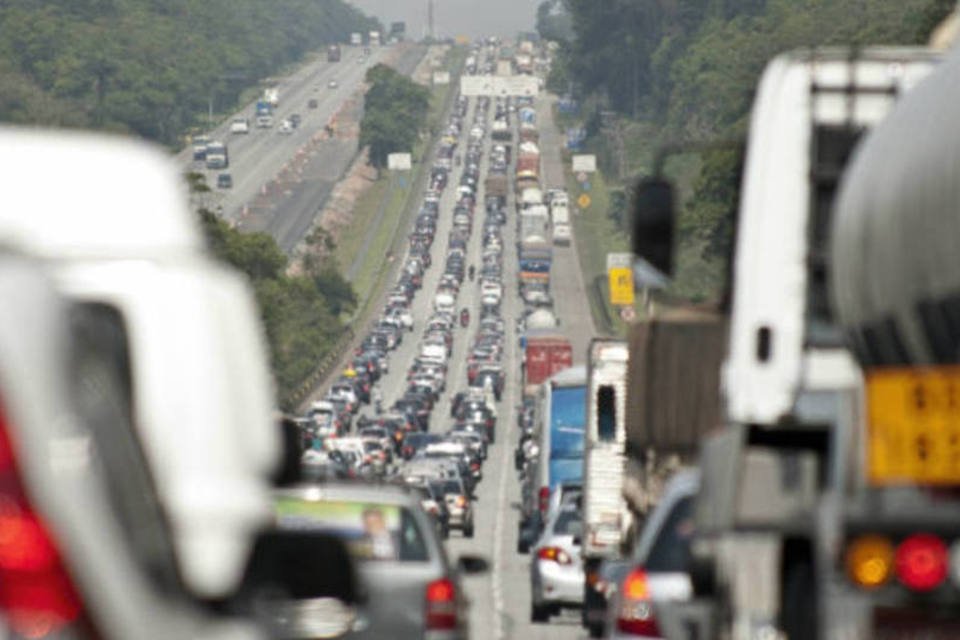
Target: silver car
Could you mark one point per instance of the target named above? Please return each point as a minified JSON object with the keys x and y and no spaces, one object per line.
{"x":658,"y":574}
{"x":413,"y":589}
{"x":85,"y":540}
{"x":556,"y":570}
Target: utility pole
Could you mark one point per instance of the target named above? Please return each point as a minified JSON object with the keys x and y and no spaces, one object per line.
{"x":431,"y":33}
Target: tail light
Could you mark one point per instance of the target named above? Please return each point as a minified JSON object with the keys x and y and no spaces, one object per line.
{"x":636,"y":609}
{"x":475,"y":466}
{"x":544,"y":497}
{"x":554,"y":554}
{"x":869,"y":561}
{"x":441,"y":605}
{"x":922,"y":562}
{"x":37,"y":596}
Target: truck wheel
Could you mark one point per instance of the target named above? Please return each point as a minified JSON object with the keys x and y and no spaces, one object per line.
{"x":539,"y":613}
{"x":468,"y":531}
{"x":595,"y":630}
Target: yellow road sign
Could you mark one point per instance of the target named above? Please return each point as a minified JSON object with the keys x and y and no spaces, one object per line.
{"x":583,"y":201}
{"x":913,"y":435}
{"x":621,"y":286}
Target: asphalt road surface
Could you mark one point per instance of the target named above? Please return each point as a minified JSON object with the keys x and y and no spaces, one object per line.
{"x":281,"y":181}
{"x":501,"y":598}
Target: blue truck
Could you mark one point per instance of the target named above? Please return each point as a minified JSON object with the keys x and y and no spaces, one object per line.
{"x":561,"y":424}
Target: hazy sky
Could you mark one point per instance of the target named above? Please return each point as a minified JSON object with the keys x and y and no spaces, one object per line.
{"x":456,"y":17}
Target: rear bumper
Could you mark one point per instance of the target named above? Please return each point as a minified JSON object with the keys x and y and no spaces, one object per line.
{"x":556,"y":584}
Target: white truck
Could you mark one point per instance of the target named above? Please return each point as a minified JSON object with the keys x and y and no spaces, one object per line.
{"x":606,"y":518}
{"x":356,"y":39}
{"x":765,"y":537}
{"x":272,"y":96}
{"x":374,"y":38}
{"x":560,"y":218}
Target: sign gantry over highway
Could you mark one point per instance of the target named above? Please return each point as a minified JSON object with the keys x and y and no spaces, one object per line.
{"x":518,"y":85}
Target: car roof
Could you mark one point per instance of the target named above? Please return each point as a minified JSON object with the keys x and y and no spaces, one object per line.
{"x":160,"y":223}
{"x":360,"y":492}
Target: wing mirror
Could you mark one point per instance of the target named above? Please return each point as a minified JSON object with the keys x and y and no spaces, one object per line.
{"x":472,"y":565}
{"x":653,"y":223}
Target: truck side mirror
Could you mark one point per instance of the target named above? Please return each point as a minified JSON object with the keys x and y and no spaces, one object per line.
{"x":653,"y":223}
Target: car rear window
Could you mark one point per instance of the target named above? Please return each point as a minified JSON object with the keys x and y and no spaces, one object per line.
{"x":373,"y":532}
{"x":569,"y":523}
{"x":671,"y":550}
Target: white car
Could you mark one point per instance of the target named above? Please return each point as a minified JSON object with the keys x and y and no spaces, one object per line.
{"x":556,"y":572}
{"x":333,"y":84}
{"x":240,"y":125}
{"x":286,"y":127}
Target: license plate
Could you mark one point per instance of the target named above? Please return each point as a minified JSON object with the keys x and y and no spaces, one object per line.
{"x":913,"y":431}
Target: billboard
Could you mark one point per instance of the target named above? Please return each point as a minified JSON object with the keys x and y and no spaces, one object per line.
{"x":399,"y":162}
{"x":586,"y":163}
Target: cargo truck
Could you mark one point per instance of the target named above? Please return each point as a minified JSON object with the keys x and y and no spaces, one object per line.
{"x":769,"y":518}
{"x":356,"y":39}
{"x":217,"y":155}
{"x":272,"y":96}
{"x":560,"y":221}
{"x":333,"y":53}
{"x":606,"y":518}
{"x":559,"y":432}
{"x":894,"y":279}
{"x":535,"y":257}
{"x":264,"y":114}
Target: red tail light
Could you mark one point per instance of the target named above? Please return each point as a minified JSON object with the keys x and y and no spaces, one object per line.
{"x":921,"y":562}
{"x":544,"y":496}
{"x":441,"y":605}
{"x":636,"y":609}
{"x":554,"y":554}
{"x":37,"y":596}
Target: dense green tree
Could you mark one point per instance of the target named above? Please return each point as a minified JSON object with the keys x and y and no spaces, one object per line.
{"x":395,"y":113}
{"x":150,"y":67}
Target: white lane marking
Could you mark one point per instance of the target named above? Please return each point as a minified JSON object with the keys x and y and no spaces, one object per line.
{"x":497,"y":572}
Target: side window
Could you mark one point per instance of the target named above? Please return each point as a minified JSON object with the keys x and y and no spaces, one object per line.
{"x":103,"y":397}
{"x":671,"y":550}
{"x":606,"y":413}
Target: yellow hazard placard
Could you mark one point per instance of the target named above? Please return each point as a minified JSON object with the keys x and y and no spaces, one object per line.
{"x":584,"y":201}
{"x":621,"y":286}
{"x":913,"y":429}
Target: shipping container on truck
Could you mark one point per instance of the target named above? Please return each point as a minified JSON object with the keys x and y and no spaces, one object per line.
{"x":674,"y":379}
{"x":562,"y":412}
{"x":545,"y":353}
{"x":535,"y":257}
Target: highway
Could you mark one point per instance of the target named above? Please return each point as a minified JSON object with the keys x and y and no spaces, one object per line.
{"x":281,"y":181}
{"x":501,"y":598}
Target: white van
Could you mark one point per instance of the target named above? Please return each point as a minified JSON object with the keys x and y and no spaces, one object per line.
{"x":203,"y":408}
